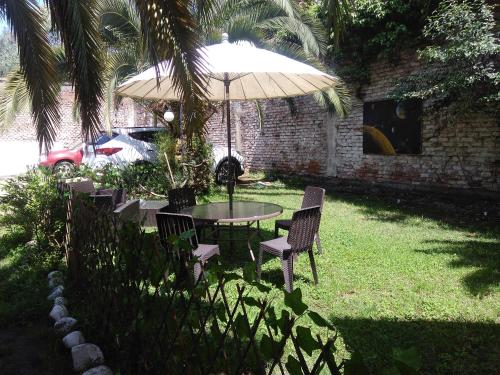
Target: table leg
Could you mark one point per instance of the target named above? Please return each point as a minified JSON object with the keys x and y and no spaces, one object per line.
{"x":250,"y":236}
{"x":231,"y":242}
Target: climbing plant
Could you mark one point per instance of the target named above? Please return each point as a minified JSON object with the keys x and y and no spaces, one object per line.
{"x":461,"y":60}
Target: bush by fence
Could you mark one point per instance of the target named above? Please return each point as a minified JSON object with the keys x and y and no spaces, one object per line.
{"x":32,"y":203}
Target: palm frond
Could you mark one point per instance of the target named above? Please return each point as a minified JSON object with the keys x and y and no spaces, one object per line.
{"x":312,"y":40}
{"x":76,"y":23}
{"x":37,"y":65}
{"x":120,"y":65}
{"x":169,"y":32}
{"x":335,"y":100}
{"x":118,"y":21}
{"x":14,"y":97}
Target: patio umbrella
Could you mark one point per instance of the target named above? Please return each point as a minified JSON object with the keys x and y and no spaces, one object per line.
{"x":235,"y":71}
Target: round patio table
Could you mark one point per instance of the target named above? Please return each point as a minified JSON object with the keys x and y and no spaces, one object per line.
{"x":242,"y":212}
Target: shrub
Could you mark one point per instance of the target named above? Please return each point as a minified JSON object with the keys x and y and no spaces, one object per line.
{"x":33,"y":204}
{"x":140,"y":179}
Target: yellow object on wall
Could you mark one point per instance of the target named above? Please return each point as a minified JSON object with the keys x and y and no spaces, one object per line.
{"x":380,"y":140}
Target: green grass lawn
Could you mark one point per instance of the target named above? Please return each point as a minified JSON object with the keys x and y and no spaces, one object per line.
{"x":396,"y":277}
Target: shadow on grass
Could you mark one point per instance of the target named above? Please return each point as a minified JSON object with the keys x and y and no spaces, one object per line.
{"x":26,"y":342}
{"x":444,"y":347}
{"x":472,"y":253}
{"x":275,"y":276}
{"x":384,"y":207}
{"x":233,"y":259}
{"x":22,"y":282}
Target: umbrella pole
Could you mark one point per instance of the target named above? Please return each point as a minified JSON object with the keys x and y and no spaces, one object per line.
{"x":230,"y":182}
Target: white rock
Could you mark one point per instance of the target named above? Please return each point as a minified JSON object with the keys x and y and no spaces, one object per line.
{"x":54,"y":274}
{"x":64,"y":326}
{"x":86,"y":356}
{"x":60,"y":301}
{"x":100,"y":370}
{"x":58,"y":312}
{"x":56,"y":292}
{"x":54,"y":282}
{"x":73,"y":339}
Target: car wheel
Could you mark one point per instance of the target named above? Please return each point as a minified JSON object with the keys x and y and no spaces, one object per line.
{"x":222,"y":171}
{"x":64,"y":168}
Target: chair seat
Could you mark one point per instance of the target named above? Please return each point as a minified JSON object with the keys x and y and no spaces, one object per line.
{"x":277,"y":246}
{"x":206,"y":251}
{"x":283,"y":224}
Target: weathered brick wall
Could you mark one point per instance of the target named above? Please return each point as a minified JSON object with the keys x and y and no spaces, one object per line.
{"x":69,"y":130}
{"x":465,"y":154}
{"x":286,"y":142}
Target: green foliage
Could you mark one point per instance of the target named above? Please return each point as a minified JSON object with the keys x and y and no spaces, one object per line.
{"x":381,"y":28}
{"x":9,"y":57}
{"x":144,"y":180}
{"x":461,"y":69}
{"x":33,"y":204}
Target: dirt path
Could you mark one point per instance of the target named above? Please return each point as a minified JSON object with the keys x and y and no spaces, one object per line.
{"x":31,"y":350}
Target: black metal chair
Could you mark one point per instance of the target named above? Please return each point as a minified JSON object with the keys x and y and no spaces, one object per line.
{"x":313,"y":196}
{"x":181,"y":198}
{"x":175,"y":224}
{"x":304,"y":226}
{"x":129,"y":211}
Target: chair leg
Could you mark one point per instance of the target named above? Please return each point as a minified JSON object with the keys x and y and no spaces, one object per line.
{"x":313,"y":266}
{"x":287,"y":265}
{"x":318,"y":243}
{"x":276,"y":230}
{"x":259,"y":263}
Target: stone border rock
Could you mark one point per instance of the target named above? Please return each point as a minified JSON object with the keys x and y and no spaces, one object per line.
{"x":87,"y":358}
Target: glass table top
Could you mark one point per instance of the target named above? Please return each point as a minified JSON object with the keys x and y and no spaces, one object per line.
{"x":242,"y":211}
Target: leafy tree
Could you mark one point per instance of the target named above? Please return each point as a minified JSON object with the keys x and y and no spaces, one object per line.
{"x":461,"y":70}
{"x":375,"y":29}
{"x":9,"y":58}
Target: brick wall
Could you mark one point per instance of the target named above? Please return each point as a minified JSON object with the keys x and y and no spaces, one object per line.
{"x":288,"y":143}
{"x":463,"y":155}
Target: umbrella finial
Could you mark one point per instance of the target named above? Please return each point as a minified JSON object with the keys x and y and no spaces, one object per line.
{"x":225,"y":38}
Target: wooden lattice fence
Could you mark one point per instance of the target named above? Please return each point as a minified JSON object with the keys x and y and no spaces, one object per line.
{"x":143,"y":308}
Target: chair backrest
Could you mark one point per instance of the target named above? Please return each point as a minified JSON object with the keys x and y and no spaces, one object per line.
{"x":181,"y":198}
{"x":119,"y":195}
{"x":305,"y":225}
{"x":103,"y":202}
{"x":313,"y":196}
{"x":174,"y":224}
{"x":129,"y":211}
{"x":85,"y":186}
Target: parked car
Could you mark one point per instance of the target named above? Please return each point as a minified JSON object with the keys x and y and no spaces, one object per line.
{"x":126,"y":146}
{"x":64,"y":160}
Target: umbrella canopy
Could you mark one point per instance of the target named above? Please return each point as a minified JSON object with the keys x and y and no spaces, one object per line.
{"x":254,"y":73}
{"x":234,"y":72}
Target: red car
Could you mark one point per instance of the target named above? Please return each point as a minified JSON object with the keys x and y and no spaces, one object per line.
{"x":62,"y":161}
{"x":65,"y":160}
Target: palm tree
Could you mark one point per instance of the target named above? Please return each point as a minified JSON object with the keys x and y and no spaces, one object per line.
{"x":278,"y":25}
{"x":167,"y":30}
{"x":281,"y":26}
